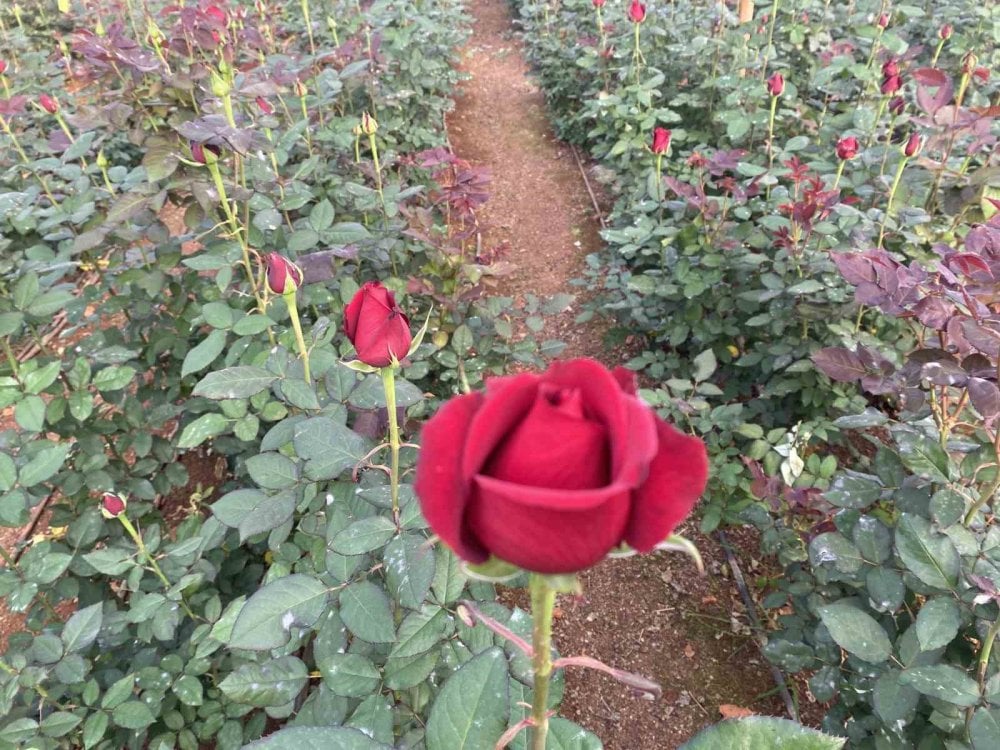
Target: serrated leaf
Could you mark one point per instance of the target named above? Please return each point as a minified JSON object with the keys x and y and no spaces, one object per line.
{"x":922,"y":455}
{"x":856,"y":632}
{"x":761,"y":733}
{"x":205,"y":427}
{"x":364,"y":536}
{"x":854,"y":490}
{"x":893,"y":701}
{"x":273,"y":683}
{"x":328,"y":448}
{"x":234,"y":382}
{"x":930,"y":556}
{"x":938,"y":622}
{"x":419,"y":632}
{"x":409,"y":566}
{"x":132,"y":715}
{"x":704,"y":365}
{"x":265,"y":620}
{"x":44,"y":465}
{"x":944,"y":682}
{"x":204,"y":353}
{"x":350,"y":675}
{"x":254,"y":512}
{"x":317,"y":738}
{"x":82,"y":627}
{"x":273,"y":471}
{"x":365,"y":610}
{"x":470,"y":712}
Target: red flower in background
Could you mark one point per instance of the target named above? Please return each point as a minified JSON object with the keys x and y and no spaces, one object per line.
{"x":599,"y":3}
{"x":551,"y":472}
{"x":636,"y":12}
{"x":377,"y":326}
{"x":847,"y":148}
{"x":283,"y":276}
{"x":3,"y":67}
{"x":913,"y":145}
{"x":661,"y":140}
{"x":264,"y":105}
{"x":892,"y":84}
{"x":944,"y":33}
{"x":48,"y":103}
{"x":776,"y":84}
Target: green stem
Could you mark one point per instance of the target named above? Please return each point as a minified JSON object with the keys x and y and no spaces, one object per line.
{"x":892,"y":196}
{"x":137,"y":538}
{"x":659,"y":177}
{"x":840,"y":172}
{"x":543,"y":599}
{"x":309,"y":28}
{"x":984,"y":654}
{"x":388,"y":374}
{"x":770,"y":140}
{"x":770,"y":36}
{"x":984,"y":498}
{"x":300,"y":342}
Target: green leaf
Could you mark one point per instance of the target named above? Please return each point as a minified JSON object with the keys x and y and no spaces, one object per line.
{"x":566,"y":735}
{"x":931,"y":557}
{"x":299,"y":393}
{"x":38,"y":380}
{"x":321,"y":215}
{"x":302,"y":240}
{"x":938,"y":622}
{"x":82,"y":627}
{"x":761,"y":733}
{"x":133,"y":715}
{"x":364,"y":536}
{"x":273,"y":471}
{"x":704,"y":365}
{"x":345,"y":233}
{"x":253,"y":512}
{"x":188,"y":690}
{"x":944,"y":682}
{"x":25,"y":290}
{"x":365,"y":609}
{"x":350,"y":675}
{"x":59,"y":723}
{"x":234,"y":382}
{"x":370,"y":393}
{"x":856,"y":632}
{"x":44,"y":465}
{"x":409,"y":566}
{"x":113,"y":378}
{"x":854,"y":490}
{"x":273,"y":683}
{"x":94,"y":728}
{"x":419,"y":632}
{"x":328,"y":448}
{"x":205,"y":427}
{"x":984,"y":729}
{"x":834,"y":547}
{"x":8,"y":472}
{"x":264,"y":621}
{"x":317,"y":738}
{"x":30,"y":414}
{"x":251,"y":325}
{"x":470,"y":712}
{"x":922,"y":455}
{"x":18,"y":730}
{"x":893,"y":701}
{"x":885,"y":589}
{"x":204,"y":353}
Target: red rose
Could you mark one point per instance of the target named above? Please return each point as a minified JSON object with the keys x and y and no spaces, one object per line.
{"x":264,"y":105}
{"x":636,"y":12}
{"x":205,"y":153}
{"x":599,"y":3}
{"x":892,"y":84}
{"x":283,"y":276}
{"x":776,"y":84}
{"x":551,"y":472}
{"x":112,"y":505}
{"x":890,"y":68}
{"x":847,"y":148}
{"x":377,"y":326}
{"x":661,"y":140}
{"x":913,"y":145}
{"x":944,"y":33}
{"x":48,"y":103}
{"x":883,"y":21}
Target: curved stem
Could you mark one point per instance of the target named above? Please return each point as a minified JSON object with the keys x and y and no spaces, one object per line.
{"x":293,"y":313}
{"x":137,"y":538}
{"x":892,"y":196}
{"x":389,"y":385}
{"x":543,"y":599}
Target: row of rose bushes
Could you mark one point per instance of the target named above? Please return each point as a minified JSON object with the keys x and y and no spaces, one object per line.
{"x":803,"y":229}
{"x":194,"y":193}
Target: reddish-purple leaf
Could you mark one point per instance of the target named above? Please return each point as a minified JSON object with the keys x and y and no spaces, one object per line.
{"x":969,"y":264}
{"x":985,"y":396}
{"x":986,"y":340}
{"x":839,"y":363}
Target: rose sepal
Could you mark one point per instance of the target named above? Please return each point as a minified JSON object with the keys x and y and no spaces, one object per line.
{"x":673,"y":543}
{"x":358,"y":366}
{"x":493,"y":570}
{"x":563,"y":583}
{"x":419,"y":338}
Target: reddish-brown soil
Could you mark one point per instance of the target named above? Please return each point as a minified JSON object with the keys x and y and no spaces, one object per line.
{"x":652,"y":615}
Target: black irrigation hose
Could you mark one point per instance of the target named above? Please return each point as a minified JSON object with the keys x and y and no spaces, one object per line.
{"x":751,"y":608}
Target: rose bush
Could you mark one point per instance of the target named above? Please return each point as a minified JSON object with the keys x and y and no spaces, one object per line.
{"x":551,"y":472}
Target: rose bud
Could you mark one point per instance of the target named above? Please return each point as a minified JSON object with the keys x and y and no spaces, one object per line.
{"x":847,"y":148}
{"x":883,"y":21}
{"x":113,"y":505}
{"x":890,"y":68}
{"x":969,"y":63}
{"x":283,"y":276}
{"x":300,"y":89}
{"x":913,"y":145}
{"x":3,"y":67}
{"x":776,"y":84}
{"x":48,"y":103}
{"x":376,"y":326}
{"x":599,"y":3}
{"x":896,"y":105}
{"x":551,"y":472}
{"x":661,"y":140}
{"x":205,"y":153}
{"x":892,"y":84}
{"x":264,"y":105}
{"x":636,"y":12}
{"x":944,"y":33}
{"x":369,"y":125}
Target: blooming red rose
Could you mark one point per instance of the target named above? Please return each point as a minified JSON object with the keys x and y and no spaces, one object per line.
{"x":776,"y":84}
{"x":551,"y":472}
{"x":913,"y":145}
{"x":847,"y":148}
{"x":661,"y":140}
{"x":892,"y":84}
{"x":48,"y":103}
{"x":112,"y":505}
{"x":377,"y":326}
{"x":636,"y":12}
{"x":944,"y":33}
{"x":283,"y":276}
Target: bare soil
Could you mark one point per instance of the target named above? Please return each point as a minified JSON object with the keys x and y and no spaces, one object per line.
{"x":653,"y":615}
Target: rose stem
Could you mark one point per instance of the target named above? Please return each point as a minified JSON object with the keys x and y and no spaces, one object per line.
{"x":389,"y":385}
{"x":137,"y":538}
{"x":543,"y":599}
{"x":892,"y":195}
{"x":300,"y":342}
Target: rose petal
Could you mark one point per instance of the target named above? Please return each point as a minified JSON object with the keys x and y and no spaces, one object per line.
{"x":544,"y":530}
{"x":626,"y":379}
{"x":507,"y":400}
{"x":676,"y":478}
{"x":440,"y":486}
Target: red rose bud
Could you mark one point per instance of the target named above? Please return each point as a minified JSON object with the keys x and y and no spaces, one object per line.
{"x":205,"y":153}
{"x":896,"y":105}
{"x":913,"y":145}
{"x":883,"y":21}
{"x":892,"y":84}
{"x":776,"y":84}
{"x":847,"y":148}
{"x":969,"y":63}
{"x":599,"y":3}
{"x":890,"y":68}
{"x":551,"y":472}
{"x":944,"y":33}
{"x":264,"y":105}
{"x":661,"y":140}
{"x":283,"y":276}
{"x":3,"y":67}
{"x":113,"y":505}
{"x":48,"y":103}
{"x":377,"y":326}
{"x":636,"y":12}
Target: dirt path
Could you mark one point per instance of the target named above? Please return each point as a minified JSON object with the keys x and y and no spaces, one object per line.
{"x":651,"y":615}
